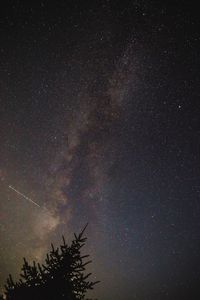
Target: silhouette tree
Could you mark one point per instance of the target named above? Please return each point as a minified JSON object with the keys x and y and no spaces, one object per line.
{"x":62,"y":276}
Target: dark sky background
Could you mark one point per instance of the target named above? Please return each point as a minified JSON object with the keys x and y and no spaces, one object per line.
{"x":99,"y":123}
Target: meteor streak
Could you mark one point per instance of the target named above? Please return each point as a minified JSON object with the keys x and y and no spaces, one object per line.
{"x":12,"y":188}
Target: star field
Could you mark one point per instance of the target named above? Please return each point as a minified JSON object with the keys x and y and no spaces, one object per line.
{"x":99,"y":123}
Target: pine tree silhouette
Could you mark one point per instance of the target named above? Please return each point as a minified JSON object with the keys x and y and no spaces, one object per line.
{"x":60,"y":277}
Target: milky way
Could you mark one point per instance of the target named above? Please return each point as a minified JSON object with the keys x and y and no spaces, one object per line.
{"x":82,"y":167}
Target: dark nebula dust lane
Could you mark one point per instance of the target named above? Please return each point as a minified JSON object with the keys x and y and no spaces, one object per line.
{"x":99,"y":124}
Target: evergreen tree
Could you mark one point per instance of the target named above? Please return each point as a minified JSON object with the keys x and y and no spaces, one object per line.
{"x":60,"y":277}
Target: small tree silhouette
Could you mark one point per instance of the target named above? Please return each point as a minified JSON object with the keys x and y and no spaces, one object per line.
{"x":60,"y":277}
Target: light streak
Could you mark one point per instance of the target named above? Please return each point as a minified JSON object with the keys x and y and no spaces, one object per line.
{"x":25,"y":197}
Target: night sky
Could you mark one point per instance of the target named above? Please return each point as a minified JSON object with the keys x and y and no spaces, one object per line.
{"x":99,"y":123}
